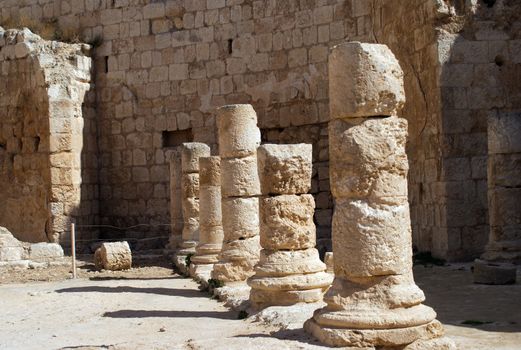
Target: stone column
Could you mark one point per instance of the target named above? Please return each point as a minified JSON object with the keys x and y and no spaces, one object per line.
{"x":210,"y":218}
{"x":176,"y":203}
{"x":374,"y":301}
{"x":289,"y":270}
{"x":239,"y":138}
{"x":504,"y":201}
{"x":190,"y":154}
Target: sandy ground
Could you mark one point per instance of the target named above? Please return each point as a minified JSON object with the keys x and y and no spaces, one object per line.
{"x":153,"y":308}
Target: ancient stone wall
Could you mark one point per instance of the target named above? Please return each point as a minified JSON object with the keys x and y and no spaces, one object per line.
{"x":42,"y":89}
{"x":163,"y":66}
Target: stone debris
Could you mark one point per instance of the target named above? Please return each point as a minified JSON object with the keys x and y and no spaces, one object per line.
{"x":289,"y":270}
{"x":15,"y":254}
{"x":485,"y":272}
{"x":374,"y":301}
{"x":113,"y":256}
{"x":239,"y":138}
{"x":190,"y":154}
{"x":210,"y":219}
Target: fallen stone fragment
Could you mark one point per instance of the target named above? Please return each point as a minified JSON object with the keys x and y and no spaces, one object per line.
{"x":113,"y":256}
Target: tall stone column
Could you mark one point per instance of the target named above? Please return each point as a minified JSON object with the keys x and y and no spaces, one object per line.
{"x":176,"y":202}
{"x":504,"y":201}
{"x":190,"y":154}
{"x":210,"y":218}
{"x":289,"y":270}
{"x":239,"y":138}
{"x":374,"y":301}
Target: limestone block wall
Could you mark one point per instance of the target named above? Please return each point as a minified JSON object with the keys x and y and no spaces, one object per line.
{"x":163,"y":66}
{"x":45,"y":166}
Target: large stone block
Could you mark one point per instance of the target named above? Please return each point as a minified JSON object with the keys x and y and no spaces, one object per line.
{"x":210,"y":212}
{"x":368,"y":159}
{"x":287,"y":222}
{"x":504,"y":170}
{"x":190,"y":154}
{"x":190,"y":185}
{"x":45,"y":251}
{"x":240,"y":218}
{"x":240,"y":177}
{"x":505,"y":208}
{"x":210,"y":171}
{"x":371,"y":239}
{"x":504,"y":133}
{"x":285,"y":169}
{"x":494,"y":273}
{"x":364,"y":80}
{"x":113,"y":256}
{"x":288,"y":262}
{"x":239,"y":135}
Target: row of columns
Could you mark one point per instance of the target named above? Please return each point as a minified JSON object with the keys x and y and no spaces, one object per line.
{"x":268,"y":235}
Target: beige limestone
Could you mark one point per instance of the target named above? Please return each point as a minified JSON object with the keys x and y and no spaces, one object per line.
{"x":113,"y":256}
{"x":373,"y":301}
{"x":190,"y":185}
{"x":285,"y":169}
{"x":176,"y":203}
{"x":287,"y":222}
{"x":364,"y":80}
{"x":289,"y":269}
{"x":190,"y":154}
{"x":240,"y":217}
{"x":239,"y":135}
{"x":242,"y":179}
{"x":210,"y":218}
{"x":366,"y":162}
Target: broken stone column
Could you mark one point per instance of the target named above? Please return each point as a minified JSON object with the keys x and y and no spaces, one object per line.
{"x":176,"y":202}
{"x":504,"y":201}
{"x":239,"y":138}
{"x":289,"y":270}
{"x":374,"y":301}
{"x":210,"y":218}
{"x":190,"y":154}
{"x":113,"y":256}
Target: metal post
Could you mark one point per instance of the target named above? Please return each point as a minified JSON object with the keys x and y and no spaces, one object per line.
{"x":73,"y":249}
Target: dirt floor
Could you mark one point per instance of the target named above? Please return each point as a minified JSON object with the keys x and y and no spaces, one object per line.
{"x":150,"y":307}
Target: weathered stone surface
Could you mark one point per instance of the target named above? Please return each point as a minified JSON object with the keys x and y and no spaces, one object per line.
{"x":176,"y":203}
{"x":239,"y":135}
{"x":191,"y":211}
{"x":503,"y":170}
{"x":210,"y":213}
{"x":493,"y":273}
{"x":288,"y":262}
{"x":368,"y":159}
{"x":45,"y":251}
{"x":240,"y":218}
{"x":360,"y":338}
{"x":504,"y":133}
{"x":237,"y":260}
{"x":190,"y":154}
{"x":240,"y":177}
{"x":190,"y":185}
{"x":287,"y":222}
{"x":210,"y":171}
{"x":285,"y":169}
{"x":113,"y":256}
{"x":328,"y":260}
{"x":11,"y":249}
{"x":364,"y":80}
{"x":291,"y":282}
{"x":265,"y":298}
{"x":371,"y":239}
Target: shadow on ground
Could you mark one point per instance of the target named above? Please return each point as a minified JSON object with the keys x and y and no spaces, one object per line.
{"x":188,"y":293}
{"x":227,"y":315}
{"x":298,"y":335}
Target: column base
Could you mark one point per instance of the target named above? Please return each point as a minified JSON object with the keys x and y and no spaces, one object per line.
{"x":397,"y":338}
{"x":261,"y":299}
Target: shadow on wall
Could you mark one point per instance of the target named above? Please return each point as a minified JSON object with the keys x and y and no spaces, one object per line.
{"x":480,"y":74}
